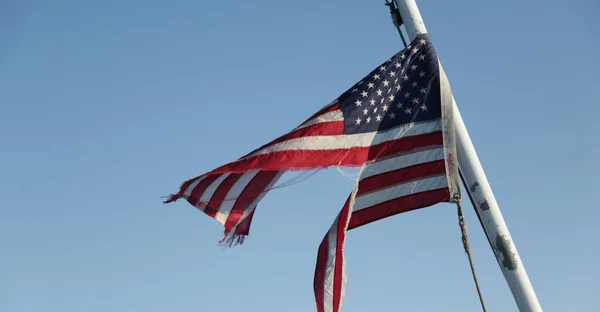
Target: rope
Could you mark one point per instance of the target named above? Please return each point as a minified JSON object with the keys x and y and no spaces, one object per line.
{"x":465,"y":240}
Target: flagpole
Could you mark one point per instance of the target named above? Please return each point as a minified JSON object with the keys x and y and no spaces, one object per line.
{"x":479,"y":188}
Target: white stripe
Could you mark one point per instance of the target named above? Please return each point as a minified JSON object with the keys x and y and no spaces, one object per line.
{"x":210,"y":190}
{"x":330,"y":267}
{"x":336,"y":115}
{"x":352,"y":140}
{"x":403,"y":161}
{"x":190,"y":189}
{"x":334,"y":102}
{"x":332,"y":238}
{"x":234,"y":192}
{"x":400,"y":190}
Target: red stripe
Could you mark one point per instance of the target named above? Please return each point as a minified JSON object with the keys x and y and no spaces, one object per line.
{"x":218,"y":196}
{"x":311,"y":159}
{"x":339,"y":257}
{"x":319,"y":279}
{"x":255,"y":187}
{"x":401,"y":175}
{"x":324,"y":129}
{"x":200,"y":188}
{"x":244,"y":227}
{"x":398,"y":205}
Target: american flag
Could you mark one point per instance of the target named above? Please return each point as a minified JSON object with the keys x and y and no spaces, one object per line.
{"x":409,"y":90}
{"x":396,"y":124}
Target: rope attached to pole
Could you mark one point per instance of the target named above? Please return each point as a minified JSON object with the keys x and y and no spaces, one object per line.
{"x":465,"y":240}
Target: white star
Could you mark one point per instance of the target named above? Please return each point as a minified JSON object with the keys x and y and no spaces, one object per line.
{"x":376,"y":76}
{"x":399,"y":105}
{"x":358,"y":121}
{"x":409,"y":46}
{"x":413,"y":67}
{"x":386,"y":83}
{"x":415,"y":100}
{"x":389,"y":90}
{"x":406,"y":95}
{"x":423,"y":107}
{"x":383,"y":99}
{"x":366,"y":111}
{"x":396,"y":80}
{"x":398,"y":88}
{"x":379,"y":92}
{"x":354,"y":90}
{"x":423,"y":41}
{"x":381,"y":68}
{"x":392,"y":115}
{"x":407,"y":110}
{"x":364,"y":94}
{"x":392,"y":74}
{"x":405,"y":77}
{"x":415,"y":50}
{"x":360,"y":82}
{"x":375,"y":110}
{"x":372,"y":102}
{"x":370,"y":85}
{"x":398,"y":65}
{"x":385,"y":108}
{"x":414,"y":84}
{"x":378,"y":118}
{"x":358,"y":103}
{"x":392,"y":97}
{"x":402,"y":56}
{"x":422,"y":57}
{"x":423,"y":90}
{"x":368,"y":119}
{"x":421,"y":74}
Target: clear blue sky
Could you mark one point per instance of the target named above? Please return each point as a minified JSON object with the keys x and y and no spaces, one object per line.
{"x":105,"y":106}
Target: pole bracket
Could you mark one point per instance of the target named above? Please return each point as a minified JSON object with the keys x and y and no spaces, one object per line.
{"x":396,"y":18}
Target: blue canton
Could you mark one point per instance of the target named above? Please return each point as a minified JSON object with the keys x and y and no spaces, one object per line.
{"x":404,"y":89}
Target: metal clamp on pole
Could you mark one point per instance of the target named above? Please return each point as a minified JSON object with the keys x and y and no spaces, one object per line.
{"x":396,"y":18}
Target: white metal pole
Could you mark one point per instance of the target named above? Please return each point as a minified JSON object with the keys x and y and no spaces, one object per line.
{"x":495,"y":228}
